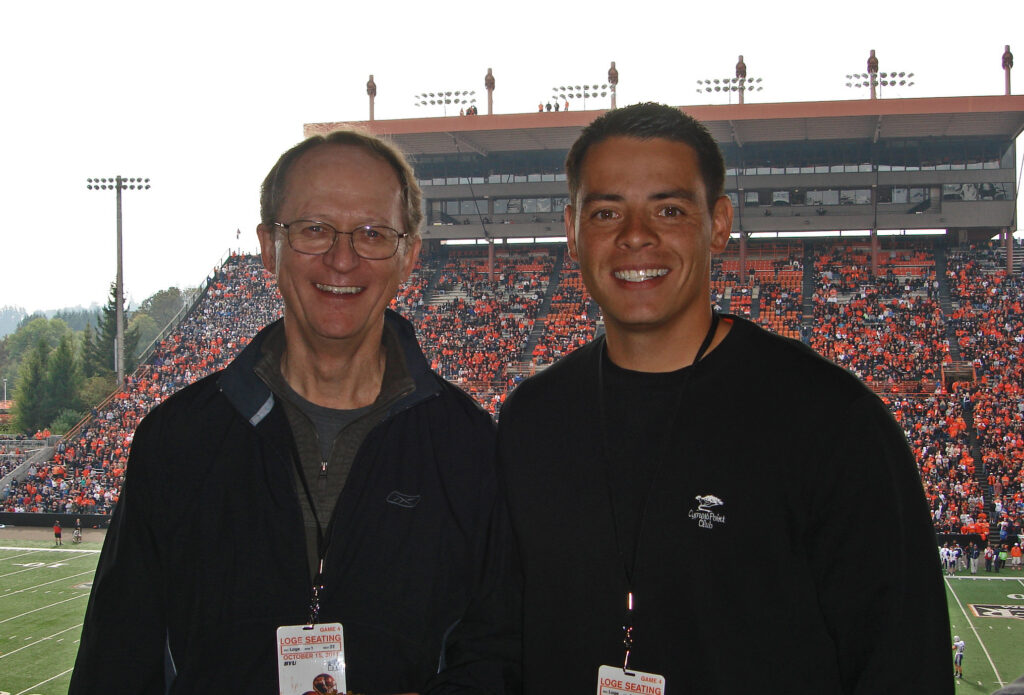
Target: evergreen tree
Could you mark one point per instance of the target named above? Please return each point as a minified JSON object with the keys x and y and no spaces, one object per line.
{"x":90,"y":357}
{"x":62,"y":382}
{"x":100,"y":354}
{"x":29,"y":396}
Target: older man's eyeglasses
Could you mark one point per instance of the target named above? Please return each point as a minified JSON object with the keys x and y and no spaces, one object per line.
{"x":372,"y":242}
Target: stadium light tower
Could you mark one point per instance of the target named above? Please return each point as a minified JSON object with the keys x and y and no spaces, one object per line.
{"x":876,"y":80}
{"x":613,"y":81}
{"x":371,"y":92}
{"x":741,"y":84}
{"x":462,"y":99}
{"x":1007,"y":65}
{"x":118,"y":184}
{"x":730,"y":84}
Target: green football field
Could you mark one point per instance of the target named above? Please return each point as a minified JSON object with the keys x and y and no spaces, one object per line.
{"x":986,"y":612}
{"x":44,"y":590}
{"x":43,"y":593}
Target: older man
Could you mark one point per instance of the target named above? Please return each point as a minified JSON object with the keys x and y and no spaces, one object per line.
{"x":638,"y":466}
{"x":325,"y":490}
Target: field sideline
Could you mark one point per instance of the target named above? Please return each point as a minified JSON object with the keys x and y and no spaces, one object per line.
{"x":44,"y":590}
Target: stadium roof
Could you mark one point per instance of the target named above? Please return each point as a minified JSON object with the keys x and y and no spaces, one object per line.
{"x":1000,"y":117}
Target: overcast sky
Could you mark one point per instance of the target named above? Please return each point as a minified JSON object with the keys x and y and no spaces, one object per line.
{"x":201,"y":97}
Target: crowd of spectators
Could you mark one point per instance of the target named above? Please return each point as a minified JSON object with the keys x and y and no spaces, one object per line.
{"x":888,"y":329}
{"x":936,"y":427}
{"x":768,"y":291}
{"x":780,"y":304}
{"x":567,"y":324}
{"x":87,"y":468}
{"x":409,"y":301}
{"x":474,"y":327}
{"x":988,"y":324}
{"x":481,"y":326}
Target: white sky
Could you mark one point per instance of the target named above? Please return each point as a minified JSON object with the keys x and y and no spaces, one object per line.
{"x":202,"y":97}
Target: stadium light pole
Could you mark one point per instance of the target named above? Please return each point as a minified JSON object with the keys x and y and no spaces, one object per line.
{"x":371,"y":92}
{"x":1007,"y":65}
{"x":741,"y":84}
{"x":489,"y":86}
{"x":876,"y":80}
{"x":118,"y":184}
{"x":613,"y":81}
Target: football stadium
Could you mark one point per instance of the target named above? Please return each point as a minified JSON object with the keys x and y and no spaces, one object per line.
{"x":880,"y":232}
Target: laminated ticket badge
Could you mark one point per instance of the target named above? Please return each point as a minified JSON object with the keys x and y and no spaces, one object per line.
{"x":311,"y":658}
{"x":613,"y":680}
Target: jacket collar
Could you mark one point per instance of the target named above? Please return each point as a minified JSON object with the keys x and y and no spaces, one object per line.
{"x":254,"y":400}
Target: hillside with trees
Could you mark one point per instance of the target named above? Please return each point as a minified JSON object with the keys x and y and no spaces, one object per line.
{"x":58,"y":368}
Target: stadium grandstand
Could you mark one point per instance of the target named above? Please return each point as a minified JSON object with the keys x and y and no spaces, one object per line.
{"x":880,"y":232}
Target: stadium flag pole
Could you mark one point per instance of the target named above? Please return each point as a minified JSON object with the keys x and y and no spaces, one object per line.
{"x":118,"y":183}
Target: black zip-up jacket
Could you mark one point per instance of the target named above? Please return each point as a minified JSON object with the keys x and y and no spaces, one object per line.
{"x":205,"y":556}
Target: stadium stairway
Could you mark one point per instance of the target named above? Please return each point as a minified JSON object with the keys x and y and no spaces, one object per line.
{"x":434,"y":267}
{"x":980,"y":470}
{"x":1018,"y":258}
{"x":42,"y":454}
{"x":544,"y":309}
{"x":946,"y":300}
{"x":807,"y":321}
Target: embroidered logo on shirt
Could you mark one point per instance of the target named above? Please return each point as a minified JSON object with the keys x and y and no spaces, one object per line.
{"x":704,"y":514}
{"x":403,"y":499}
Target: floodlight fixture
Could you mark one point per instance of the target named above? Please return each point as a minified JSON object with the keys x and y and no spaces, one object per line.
{"x":739,"y":85}
{"x":584,"y":92}
{"x":445,"y":98}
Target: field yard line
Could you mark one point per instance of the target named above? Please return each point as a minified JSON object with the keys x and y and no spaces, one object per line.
{"x":44,"y":639}
{"x":84,"y":593}
{"x":975,"y":630}
{"x":33,"y":687}
{"x":24,"y":569}
{"x":11,"y":557}
{"x":27,"y":588}
{"x":30,"y":569}
{"x":49,"y":550}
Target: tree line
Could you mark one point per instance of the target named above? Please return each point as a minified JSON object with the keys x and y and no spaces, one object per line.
{"x":64,"y":365}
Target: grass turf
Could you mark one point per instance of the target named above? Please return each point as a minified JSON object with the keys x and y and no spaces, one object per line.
{"x":44,"y":590}
{"x":43,"y":594}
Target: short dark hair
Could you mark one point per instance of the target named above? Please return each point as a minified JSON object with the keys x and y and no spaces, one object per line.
{"x":272,"y":191}
{"x":646,"y":121}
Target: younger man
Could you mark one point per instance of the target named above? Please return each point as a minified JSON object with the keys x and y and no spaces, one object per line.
{"x":636,"y":466}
